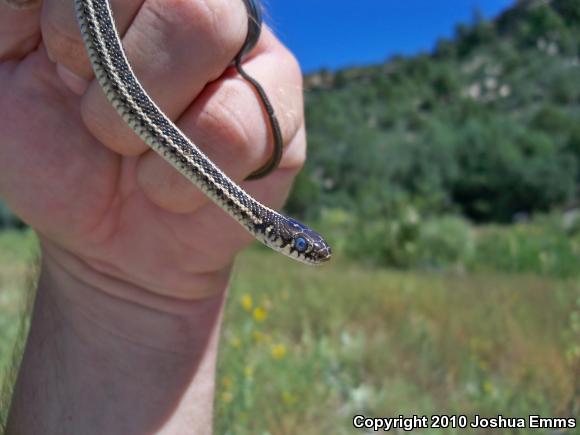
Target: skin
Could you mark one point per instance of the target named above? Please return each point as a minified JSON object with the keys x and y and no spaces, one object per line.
{"x":135,"y":260}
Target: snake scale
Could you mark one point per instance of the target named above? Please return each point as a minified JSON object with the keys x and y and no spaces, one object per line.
{"x":139,"y":111}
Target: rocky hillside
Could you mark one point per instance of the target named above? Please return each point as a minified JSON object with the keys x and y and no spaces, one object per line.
{"x":487,"y":125}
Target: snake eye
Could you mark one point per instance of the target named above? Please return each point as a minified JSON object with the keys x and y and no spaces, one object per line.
{"x":300,"y":244}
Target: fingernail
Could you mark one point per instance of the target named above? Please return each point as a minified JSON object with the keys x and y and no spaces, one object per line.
{"x":75,"y":83}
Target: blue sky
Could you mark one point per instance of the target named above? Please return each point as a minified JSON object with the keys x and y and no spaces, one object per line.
{"x":338,"y":33}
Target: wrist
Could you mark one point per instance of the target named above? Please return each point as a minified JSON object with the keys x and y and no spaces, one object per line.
{"x":171,"y":288}
{"x":98,"y":354}
{"x":121,"y":310}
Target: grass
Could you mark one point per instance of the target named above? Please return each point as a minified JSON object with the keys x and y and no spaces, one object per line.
{"x":18,"y":251}
{"x":305,"y":349}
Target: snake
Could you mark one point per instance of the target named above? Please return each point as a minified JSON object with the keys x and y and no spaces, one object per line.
{"x":125,"y":93}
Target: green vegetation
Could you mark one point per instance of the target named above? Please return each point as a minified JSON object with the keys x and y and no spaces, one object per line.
{"x":304,"y":349}
{"x":17,"y":253}
{"x":459,"y":170}
{"x":549,"y":245}
{"x":407,"y":158}
{"x":485,"y":128}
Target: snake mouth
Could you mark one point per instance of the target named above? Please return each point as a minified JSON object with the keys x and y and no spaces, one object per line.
{"x":327,"y":258}
{"x":320,"y":257}
{"x":131,"y":101}
{"x":325,"y":255}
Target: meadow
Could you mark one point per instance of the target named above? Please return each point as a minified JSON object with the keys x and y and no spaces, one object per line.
{"x":305,"y":349}
{"x":455,"y":289}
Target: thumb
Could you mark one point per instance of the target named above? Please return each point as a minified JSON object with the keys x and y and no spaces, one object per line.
{"x":19,"y":28}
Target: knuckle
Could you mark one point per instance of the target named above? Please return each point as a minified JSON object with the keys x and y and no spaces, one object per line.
{"x":219,"y":23}
{"x":105,"y":125}
{"x":63,"y":40}
{"x":89,"y":116}
{"x":94,"y":122}
{"x":295,"y":154}
{"x":227,"y":23}
{"x":290,"y":63}
{"x":233,"y":124}
{"x":287,"y":92}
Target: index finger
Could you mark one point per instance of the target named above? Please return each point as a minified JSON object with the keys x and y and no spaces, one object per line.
{"x":19,"y":28}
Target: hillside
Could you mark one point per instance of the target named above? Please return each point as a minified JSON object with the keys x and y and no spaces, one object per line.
{"x":426,"y":161}
{"x":486,"y":126}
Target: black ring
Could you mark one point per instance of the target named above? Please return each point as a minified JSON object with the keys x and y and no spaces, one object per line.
{"x":254,"y":30}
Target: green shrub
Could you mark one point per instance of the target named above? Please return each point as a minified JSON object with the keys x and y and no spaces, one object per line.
{"x":445,"y":242}
{"x":548,"y":245}
{"x":386,"y":242}
{"x":542,"y":247}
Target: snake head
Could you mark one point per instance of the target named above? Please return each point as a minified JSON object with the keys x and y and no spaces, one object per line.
{"x":303,"y":243}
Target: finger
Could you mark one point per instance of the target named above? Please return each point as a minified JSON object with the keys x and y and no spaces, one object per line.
{"x":229,"y":124}
{"x":226,"y":234}
{"x":175,"y":48}
{"x":44,"y":155}
{"x":19,"y":28}
{"x":63,"y":39}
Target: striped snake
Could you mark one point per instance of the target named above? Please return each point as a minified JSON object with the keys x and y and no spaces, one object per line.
{"x":128,"y":97}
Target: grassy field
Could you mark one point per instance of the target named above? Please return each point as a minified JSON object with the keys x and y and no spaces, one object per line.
{"x":305,"y":349}
{"x":18,"y":251}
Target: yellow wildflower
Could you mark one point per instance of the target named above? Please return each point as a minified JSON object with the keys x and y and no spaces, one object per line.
{"x":247,"y":302}
{"x":236,"y":342}
{"x":488,"y":387}
{"x":289,"y":398}
{"x":249,"y":371}
{"x":227,"y":382}
{"x":227,"y":396}
{"x":278,"y":351}
{"x":259,"y":314}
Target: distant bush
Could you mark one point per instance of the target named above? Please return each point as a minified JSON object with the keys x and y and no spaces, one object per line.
{"x":446,"y":242}
{"x":553,"y":120}
{"x":505,"y":171}
{"x":486,"y":126}
{"x":386,"y":242}
{"x":541,"y":22}
{"x":569,"y":10}
{"x":543,"y":247}
{"x":547,"y":245}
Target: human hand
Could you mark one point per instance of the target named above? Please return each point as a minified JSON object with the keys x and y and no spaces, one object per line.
{"x":104,"y":204}
{"x":123,"y":337}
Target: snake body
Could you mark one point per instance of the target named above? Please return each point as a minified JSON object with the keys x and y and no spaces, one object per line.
{"x":139,"y":111}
